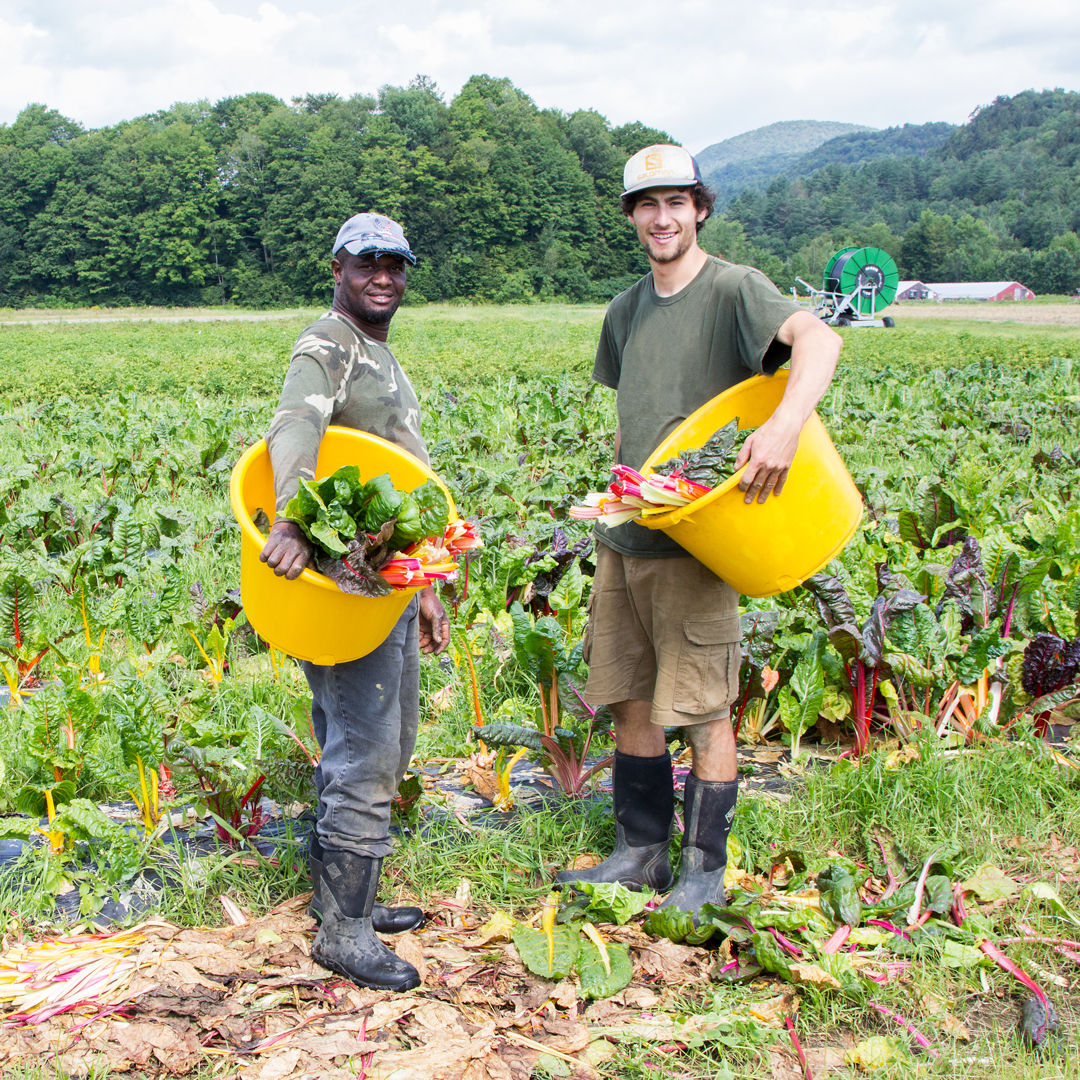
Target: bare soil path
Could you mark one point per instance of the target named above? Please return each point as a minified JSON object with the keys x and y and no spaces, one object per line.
{"x":1064,"y":313}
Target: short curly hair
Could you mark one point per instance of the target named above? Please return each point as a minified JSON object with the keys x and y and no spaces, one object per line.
{"x":704,"y":199}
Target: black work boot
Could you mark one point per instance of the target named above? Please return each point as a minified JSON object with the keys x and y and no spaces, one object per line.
{"x":346,"y":941}
{"x":386,"y":920}
{"x":643,"y":792}
{"x":708,"y":810}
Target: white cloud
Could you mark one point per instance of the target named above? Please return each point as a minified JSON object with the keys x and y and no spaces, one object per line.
{"x":702,"y":70}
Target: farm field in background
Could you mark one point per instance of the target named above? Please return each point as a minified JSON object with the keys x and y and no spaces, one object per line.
{"x":911,"y":715}
{"x":461,"y":346}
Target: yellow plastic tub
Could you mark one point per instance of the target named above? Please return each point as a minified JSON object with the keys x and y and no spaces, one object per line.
{"x":762,"y":549}
{"x":311,"y":618}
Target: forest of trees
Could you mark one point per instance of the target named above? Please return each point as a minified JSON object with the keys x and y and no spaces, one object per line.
{"x":238,"y":202}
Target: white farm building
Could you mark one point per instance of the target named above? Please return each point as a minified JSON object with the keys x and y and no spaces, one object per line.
{"x":980,"y":290}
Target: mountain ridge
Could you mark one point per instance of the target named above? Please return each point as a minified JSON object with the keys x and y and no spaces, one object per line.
{"x":781,"y":137}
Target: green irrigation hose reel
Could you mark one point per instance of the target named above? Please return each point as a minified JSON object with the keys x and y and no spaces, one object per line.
{"x":857,"y":285}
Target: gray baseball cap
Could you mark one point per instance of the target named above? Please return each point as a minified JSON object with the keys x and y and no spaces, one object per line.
{"x":373,"y":232}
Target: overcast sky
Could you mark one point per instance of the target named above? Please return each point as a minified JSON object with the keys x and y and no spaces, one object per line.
{"x":704,"y":71}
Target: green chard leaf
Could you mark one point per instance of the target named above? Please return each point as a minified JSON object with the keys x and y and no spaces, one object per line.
{"x":434,"y":509}
{"x":770,"y":955}
{"x":669,"y":923}
{"x":596,"y":980}
{"x":327,"y":535}
{"x":408,"y":528}
{"x":714,"y":462}
{"x":615,"y":903}
{"x":839,"y":896}
{"x":384,"y":503}
{"x":532,"y":947}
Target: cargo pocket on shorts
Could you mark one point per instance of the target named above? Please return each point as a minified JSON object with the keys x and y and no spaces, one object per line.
{"x":707,"y":677}
{"x":587,"y":636}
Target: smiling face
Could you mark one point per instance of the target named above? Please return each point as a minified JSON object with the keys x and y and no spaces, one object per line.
{"x":368,"y":287}
{"x":666,"y":221}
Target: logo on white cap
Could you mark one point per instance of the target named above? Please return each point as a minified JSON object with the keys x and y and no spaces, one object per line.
{"x":660,"y":166}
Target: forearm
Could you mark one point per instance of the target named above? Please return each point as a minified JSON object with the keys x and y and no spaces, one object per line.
{"x":302,"y":417}
{"x":815,"y":350}
{"x":769,"y":451}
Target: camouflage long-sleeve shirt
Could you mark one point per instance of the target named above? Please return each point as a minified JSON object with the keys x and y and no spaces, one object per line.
{"x":337,"y":375}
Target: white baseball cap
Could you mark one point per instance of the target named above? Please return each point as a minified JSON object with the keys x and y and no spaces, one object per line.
{"x":660,"y":166}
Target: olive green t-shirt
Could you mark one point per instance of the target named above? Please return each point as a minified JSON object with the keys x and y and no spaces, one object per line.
{"x":338,"y":375}
{"x":665,"y":356}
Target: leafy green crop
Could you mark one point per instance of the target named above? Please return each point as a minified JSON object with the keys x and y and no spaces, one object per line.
{"x":356,"y":526}
{"x":712,"y":463}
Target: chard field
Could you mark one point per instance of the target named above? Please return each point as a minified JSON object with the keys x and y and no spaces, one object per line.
{"x":911,"y":796}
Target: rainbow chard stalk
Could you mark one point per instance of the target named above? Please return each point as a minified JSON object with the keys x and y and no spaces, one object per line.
{"x":504,"y":800}
{"x":1039,"y":1018}
{"x":547,"y":925}
{"x":43,"y":978}
{"x":755,"y":676}
{"x":567,"y":767}
{"x":540,"y":651}
{"x":141,"y":738}
{"x":862,"y":649}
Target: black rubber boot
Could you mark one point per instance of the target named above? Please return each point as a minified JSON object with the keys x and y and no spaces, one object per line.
{"x":708,"y":810}
{"x":644,"y":797}
{"x":386,"y":920}
{"x":346,"y":941}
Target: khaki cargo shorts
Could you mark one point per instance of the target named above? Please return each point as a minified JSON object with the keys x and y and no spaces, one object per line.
{"x":662,"y":630}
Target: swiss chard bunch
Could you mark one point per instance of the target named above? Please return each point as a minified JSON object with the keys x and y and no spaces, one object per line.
{"x":711,"y":464}
{"x":355,"y":526}
{"x":862,"y":648}
{"x":1050,"y":668}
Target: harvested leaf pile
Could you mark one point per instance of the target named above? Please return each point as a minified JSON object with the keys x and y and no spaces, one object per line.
{"x":251,"y":994}
{"x":162,"y":999}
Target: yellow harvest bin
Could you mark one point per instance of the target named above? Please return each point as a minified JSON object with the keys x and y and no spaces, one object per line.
{"x":762,"y":549}
{"x":311,"y":618}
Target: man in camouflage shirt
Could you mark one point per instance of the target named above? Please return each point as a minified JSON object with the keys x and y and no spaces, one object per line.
{"x":365,"y":713}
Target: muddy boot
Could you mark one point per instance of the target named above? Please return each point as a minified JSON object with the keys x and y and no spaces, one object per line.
{"x":346,"y":941}
{"x":386,"y":920}
{"x":708,"y":810}
{"x":644,"y":798}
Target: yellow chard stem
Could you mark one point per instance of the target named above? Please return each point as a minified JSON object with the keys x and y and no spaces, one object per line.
{"x":502,"y":779}
{"x":85,"y":620}
{"x":214,"y":673}
{"x":594,"y":936}
{"x":11,"y":676}
{"x":547,"y":924}
{"x":94,"y":663}
{"x":56,"y":836}
{"x":145,"y":795}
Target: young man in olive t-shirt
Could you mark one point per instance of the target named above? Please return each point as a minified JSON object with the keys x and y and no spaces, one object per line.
{"x":663,"y":636}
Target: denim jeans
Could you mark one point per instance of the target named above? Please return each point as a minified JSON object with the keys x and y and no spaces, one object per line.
{"x":365,"y":714}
